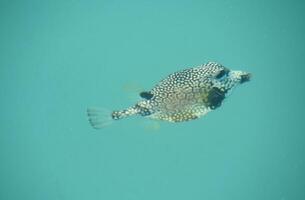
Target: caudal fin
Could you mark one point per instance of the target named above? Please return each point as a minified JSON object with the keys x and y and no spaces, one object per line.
{"x":99,"y":117}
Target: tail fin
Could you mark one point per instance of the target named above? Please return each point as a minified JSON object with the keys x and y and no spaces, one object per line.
{"x":99,"y":118}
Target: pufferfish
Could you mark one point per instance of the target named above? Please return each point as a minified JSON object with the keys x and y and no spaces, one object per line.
{"x":182,"y":96}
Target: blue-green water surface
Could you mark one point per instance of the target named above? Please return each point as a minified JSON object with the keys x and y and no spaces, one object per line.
{"x":59,"y":57}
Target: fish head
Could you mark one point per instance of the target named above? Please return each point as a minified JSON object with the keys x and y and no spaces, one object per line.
{"x":226,"y":79}
{"x":223,"y":81}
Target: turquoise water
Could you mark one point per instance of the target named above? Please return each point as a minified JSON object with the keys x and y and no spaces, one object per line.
{"x":59,"y":57}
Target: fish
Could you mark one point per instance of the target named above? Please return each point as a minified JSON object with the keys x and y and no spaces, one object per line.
{"x":182,"y":96}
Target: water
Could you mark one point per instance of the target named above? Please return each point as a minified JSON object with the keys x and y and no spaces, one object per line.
{"x":59,"y":57}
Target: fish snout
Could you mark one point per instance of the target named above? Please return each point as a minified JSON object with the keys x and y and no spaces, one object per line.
{"x":240,"y":76}
{"x":245,"y":77}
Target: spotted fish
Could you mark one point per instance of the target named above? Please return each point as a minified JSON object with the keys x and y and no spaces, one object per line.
{"x":182,"y":96}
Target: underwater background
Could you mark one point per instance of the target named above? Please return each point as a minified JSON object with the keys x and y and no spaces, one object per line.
{"x":60,"y":57}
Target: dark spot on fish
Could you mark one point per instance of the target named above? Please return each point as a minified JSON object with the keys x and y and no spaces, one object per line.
{"x":146,"y":95}
{"x":245,"y":78}
{"x":222,"y":73}
{"x":215,"y":98}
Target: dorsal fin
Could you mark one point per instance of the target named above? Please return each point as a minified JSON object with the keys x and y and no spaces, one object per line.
{"x":146,"y":95}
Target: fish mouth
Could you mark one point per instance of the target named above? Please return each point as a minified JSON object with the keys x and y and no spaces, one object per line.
{"x":245,"y":77}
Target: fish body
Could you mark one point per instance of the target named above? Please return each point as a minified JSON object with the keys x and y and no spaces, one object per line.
{"x":187,"y":94}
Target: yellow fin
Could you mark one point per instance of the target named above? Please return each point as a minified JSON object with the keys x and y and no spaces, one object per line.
{"x":152,"y":126}
{"x":133,"y":90}
{"x":132,"y":87}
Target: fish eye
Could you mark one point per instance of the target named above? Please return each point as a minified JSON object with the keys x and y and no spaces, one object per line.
{"x":221,"y":74}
